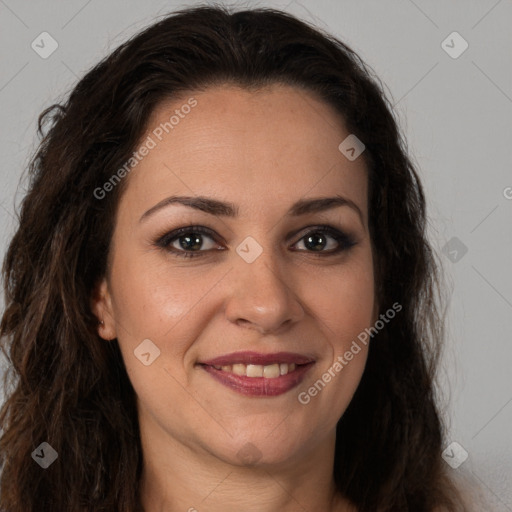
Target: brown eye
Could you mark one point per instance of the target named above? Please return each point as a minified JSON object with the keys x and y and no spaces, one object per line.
{"x":325,"y":239}
{"x":188,"y":242}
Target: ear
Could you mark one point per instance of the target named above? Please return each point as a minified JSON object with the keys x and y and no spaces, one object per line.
{"x":101,"y":305}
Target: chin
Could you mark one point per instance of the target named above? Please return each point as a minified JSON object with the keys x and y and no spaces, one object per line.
{"x":263,"y":448}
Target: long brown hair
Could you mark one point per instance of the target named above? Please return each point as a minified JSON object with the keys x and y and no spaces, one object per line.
{"x":68,"y":387}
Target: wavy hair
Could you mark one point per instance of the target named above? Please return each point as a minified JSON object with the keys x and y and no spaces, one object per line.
{"x":68,"y":387}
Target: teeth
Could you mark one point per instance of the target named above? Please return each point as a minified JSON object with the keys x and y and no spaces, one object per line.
{"x":270,"y":371}
{"x":239,"y":369}
{"x":254,"y":370}
{"x":283,"y":368}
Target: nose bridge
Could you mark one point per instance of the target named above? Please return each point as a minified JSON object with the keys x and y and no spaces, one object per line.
{"x":261,"y":294}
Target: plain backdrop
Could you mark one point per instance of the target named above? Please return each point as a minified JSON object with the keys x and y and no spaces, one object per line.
{"x":455,"y":110}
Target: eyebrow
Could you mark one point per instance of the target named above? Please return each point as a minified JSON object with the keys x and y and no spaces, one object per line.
{"x":227,"y":209}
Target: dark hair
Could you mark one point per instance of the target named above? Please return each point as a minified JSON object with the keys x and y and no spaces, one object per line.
{"x":389,"y":440}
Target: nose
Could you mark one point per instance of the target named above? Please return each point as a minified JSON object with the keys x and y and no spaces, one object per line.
{"x":262,"y":296}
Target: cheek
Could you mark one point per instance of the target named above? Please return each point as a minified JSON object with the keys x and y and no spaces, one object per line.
{"x":152,"y":296}
{"x":344,"y":301}
{"x":168,"y":304}
{"x":151,"y":302}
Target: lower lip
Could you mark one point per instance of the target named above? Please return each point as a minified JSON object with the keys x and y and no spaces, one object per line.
{"x":260,"y":386}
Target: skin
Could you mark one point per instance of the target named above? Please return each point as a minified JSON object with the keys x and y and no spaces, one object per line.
{"x":261,"y":150}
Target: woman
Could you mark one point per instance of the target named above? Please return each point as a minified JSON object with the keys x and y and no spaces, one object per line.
{"x":220,"y":295}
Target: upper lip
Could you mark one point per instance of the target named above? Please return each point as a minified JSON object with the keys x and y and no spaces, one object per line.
{"x":258,"y":358}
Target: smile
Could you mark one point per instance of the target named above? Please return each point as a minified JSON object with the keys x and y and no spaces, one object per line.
{"x":259,"y":375}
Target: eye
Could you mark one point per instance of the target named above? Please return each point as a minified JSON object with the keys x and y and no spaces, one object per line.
{"x":185,"y":242}
{"x":320,"y":240}
{"x":189,"y":242}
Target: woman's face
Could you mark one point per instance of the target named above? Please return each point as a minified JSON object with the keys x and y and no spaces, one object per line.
{"x":270,"y":303}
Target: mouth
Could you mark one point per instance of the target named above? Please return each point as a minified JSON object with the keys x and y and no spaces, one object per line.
{"x":260,"y":375}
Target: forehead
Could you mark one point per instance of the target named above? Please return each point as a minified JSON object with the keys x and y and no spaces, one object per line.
{"x":260,"y":148}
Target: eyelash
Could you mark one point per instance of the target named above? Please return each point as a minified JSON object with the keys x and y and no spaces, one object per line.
{"x":344,"y":240}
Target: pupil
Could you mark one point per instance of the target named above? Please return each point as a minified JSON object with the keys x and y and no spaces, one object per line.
{"x":320,"y":243}
{"x":191,"y":242}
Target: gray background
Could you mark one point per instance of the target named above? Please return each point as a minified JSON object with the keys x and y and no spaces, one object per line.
{"x":456,"y":114}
